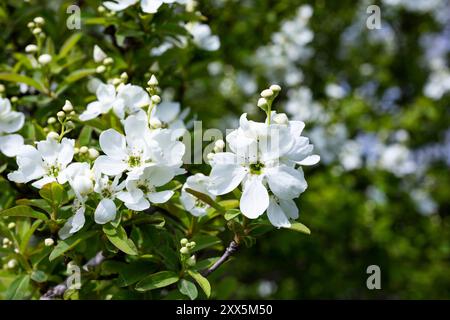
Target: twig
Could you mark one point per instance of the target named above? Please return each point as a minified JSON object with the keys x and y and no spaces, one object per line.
{"x":58,"y":290}
{"x":232,"y":248}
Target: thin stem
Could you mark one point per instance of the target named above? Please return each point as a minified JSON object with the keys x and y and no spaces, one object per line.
{"x":231,"y":249}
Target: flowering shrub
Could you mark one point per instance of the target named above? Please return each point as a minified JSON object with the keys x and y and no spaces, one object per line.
{"x":140,"y":159}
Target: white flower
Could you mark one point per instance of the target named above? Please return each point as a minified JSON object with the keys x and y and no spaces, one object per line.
{"x":142,"y":191}
{"x":80,"y":177}
{"x":203,"y":37}
{"x":129,"y":99}
{"x":148,"y":6}
{"x":45,"y":59}
{"x":200,"y":183}
{"x":74,"y":223}
{"x":106,"y":209}
{"x":264,"y":157}
{"x":138,"y":149}
{"x":45,"y":163}
{"x":168,"y":113}
{"x":397,"y":159}
{"x":10,"y":121}
{"x":99,"y":55}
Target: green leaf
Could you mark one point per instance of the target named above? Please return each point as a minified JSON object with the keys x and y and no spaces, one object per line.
{"x":118,"y":237}
{"x":157,"y":280}
{"x":26,"y":238}
{"x":188,"y":288}
{"x":300,"y":227}
{"x":69,"y":44}
{"x":131,"y":273}
{"x":78,"y":74}
{"x":206,"y":199}
{"x":38,"y":203}
{"x":206,"y":263}
{"x":231,"y":214}
{"x":65,"y":245}
{"x":85,"y":136}
{"x":202,"y":282}
{"x":39,"y":276}
{"x":23,"y":211}
{"x":18,"y":288}
{"x":205,"y":241}
{"x":53,"y":193}
{"x":18,"y":78}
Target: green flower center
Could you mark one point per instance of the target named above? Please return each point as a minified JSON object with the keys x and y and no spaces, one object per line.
{"x":134,"y":161}
{"x":256,"y":168}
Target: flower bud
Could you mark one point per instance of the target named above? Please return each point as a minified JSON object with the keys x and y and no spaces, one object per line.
{"x":37,"y":31}
{"x":153,"y":82}
{"x":210,"y":156}
{"x":76,"y":150}
{"x":262,"y":103}
{"x":93,"y":153}
{"x":184,"y":242}
{"x":156,"y":99}
{"x":6,"y":242}
{"x":116,"y":81}
{"x":31,"y":25}
{"x":155,"y":123}
{"x":31,"y":48}
{"x":2,"y":88}
{"x":14,"y":99}
{"x":39,"y":20}
{"x":220,"y":144}
{"x":101,"y":9}
{"x":275,"y":88}
{"x":53,"y":135}
{"x":45,"y":59}
{"x":49,"y":242}
{"x":100,"y":69}
{"x":84,"y":149}
{"x":12,"y":263}
{"x":67,"y":106}
{"x":267,"y":93}
{"x":11,"y":225}
{"x":191,"y":245}
{"x":191,"y":261}
{"x":61,"y":114}
{"x":70,"y":125}
{"x":281,"y":118}
{"x":184,"y":250}
{"x":51,"y":120}
{"x":124,"y":76}
{"x":107,"y":61}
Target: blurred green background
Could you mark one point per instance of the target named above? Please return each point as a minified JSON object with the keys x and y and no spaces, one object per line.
{"x":376,"y":106}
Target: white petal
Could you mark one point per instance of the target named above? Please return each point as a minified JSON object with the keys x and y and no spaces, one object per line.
{"x":225,"y":178}
{"x":49,"y":150}
{"x":65,"y":153}
{"x":11,"y":121}
{"x":113,"y":144}
{"x":158,"y":175}
{"x":93,"y":110}
{"x":286,"y":182}
{"x":276,"y":215}
{"x":151,"y":6}
{"x":105,"y":212}
{"x":167,"y":111}
{"x":10,"y":144}
{"x":73,"y":225}
{"x":310,"y":160}
{"x":106,"y":92}
{"x":99,"y":55}
{"x":161,"y":196}
{"x":289,"y":208}
{"x":42,"y":182}
{"x":110,"y":166}
{"x":141,"y":205}
{"x":255,"y":198}
{"x":119,"y":5}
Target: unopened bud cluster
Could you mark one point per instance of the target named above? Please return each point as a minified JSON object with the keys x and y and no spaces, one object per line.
{"x":64,"y":117}
{"x":268,"y":96}
{"x":186,"y":248}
